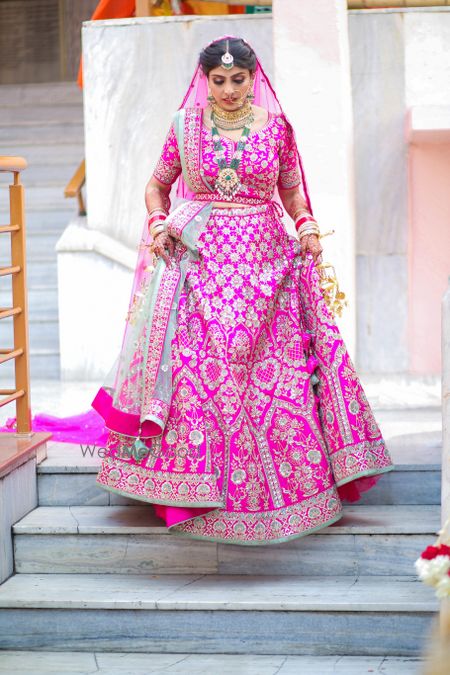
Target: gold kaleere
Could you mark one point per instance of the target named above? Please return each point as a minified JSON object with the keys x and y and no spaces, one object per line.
{"x":333,"y":296}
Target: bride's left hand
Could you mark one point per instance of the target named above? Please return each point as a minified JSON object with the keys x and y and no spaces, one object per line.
{"x":310,"y":243}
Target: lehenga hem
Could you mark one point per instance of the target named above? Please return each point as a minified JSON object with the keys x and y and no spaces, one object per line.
{"x":362,"y":474}
{"x":262,"y":542}
{"x":155,"y":500}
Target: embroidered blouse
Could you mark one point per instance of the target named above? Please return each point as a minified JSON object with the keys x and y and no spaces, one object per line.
{"x":269,"y":160}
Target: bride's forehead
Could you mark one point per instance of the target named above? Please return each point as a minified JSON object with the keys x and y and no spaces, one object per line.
{"x":227,"y":73}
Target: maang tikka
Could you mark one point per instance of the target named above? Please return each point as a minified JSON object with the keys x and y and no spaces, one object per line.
{"x":227,"y":58}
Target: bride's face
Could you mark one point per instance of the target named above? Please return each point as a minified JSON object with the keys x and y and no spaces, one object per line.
{"x":229,"y":87}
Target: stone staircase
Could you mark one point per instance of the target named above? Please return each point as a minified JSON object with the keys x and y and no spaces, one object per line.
{"x":44,"y":124}
{"x":95,"y":572}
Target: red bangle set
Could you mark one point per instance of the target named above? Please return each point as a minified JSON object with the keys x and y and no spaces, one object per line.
{"x":156,"y":218}
{"x":303,"y":219}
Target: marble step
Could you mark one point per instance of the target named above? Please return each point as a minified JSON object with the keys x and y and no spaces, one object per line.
{"x":227,"y":614}
{"x":46,"y":194}
{"x":37,"y":94}
{"x":42,"y":114}
{"x":41,"y":273}
{"x":55,"y":132}
{"x":43,"y":333}
{"x":44,"y":363}
{"x":67,"y":476}
{"x":129,"y":663}
{"x":42,"y":302}
{"x":42,"y":155}
{"x":368,"y":540}
{"x":61,"y":172}
{"x":44,"y":217}
{"x":39,"y":245}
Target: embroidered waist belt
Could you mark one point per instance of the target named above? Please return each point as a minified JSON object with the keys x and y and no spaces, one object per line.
{"x":215,"y":197}
{"x":259,"y":205}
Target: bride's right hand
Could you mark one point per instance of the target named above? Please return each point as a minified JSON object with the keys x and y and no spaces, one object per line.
{"x":163,"y":241}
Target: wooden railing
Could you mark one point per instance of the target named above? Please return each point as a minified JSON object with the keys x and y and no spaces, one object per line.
{"x":73,"y":187}
{"x":19,"y":309}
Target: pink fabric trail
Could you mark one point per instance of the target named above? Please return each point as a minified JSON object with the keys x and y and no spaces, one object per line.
{"x":86,"y":427}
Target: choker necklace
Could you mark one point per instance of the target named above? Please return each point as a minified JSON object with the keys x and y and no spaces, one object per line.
{"x":232,"y":119}
{"x":227,"y":182}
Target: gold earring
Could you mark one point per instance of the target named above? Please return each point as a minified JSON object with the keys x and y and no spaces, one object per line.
{"x":250,"y":94}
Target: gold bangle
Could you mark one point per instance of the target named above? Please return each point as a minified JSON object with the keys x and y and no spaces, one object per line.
{"x":157,"y":208}
{"x":308,"y":223}
{"x":157,"y":229}
{"x":311,"y":222}
{"x":308,"y":230}
{"x":302,"y":210}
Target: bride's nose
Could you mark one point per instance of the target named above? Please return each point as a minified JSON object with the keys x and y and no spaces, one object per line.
{"x":228,"y":89}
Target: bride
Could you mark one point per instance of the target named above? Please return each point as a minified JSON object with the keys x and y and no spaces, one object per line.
{"x":233,"y":405}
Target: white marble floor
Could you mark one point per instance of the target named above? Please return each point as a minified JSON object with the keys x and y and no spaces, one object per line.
{"x":124,"y":663}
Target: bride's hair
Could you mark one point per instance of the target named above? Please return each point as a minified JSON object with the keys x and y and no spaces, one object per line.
{"x":244,"y":56}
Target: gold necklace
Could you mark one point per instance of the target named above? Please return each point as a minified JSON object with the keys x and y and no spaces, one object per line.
{"x":232,"y":119}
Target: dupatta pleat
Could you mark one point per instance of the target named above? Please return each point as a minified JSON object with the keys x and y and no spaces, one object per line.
{"x":135,"y":397}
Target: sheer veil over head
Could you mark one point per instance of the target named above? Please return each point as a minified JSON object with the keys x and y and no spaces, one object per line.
{"x":137,"y":378}
{"x":265,"y":97}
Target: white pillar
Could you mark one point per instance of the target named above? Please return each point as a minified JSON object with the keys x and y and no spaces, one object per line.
{"x":312,"y":77}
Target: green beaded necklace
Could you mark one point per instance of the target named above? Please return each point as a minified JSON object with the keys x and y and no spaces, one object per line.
{"x":227,"y":183}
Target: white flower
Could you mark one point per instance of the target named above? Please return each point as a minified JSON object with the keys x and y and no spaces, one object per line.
{"x":443,"y":588}
{"x":432,"y":571}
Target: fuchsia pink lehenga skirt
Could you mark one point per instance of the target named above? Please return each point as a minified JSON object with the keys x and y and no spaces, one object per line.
{"x":269,"y":428}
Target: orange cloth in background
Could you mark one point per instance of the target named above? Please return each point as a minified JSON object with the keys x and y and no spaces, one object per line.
{"x":122,"y":9}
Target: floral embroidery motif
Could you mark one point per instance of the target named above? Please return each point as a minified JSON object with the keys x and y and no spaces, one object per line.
{"x":158,"y":331}
{"x":160,"y":487}
{"x":248,"y":433}
{"x":269,"y":160}
{"x":168,"y":167}
{"x":268,"y":527}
